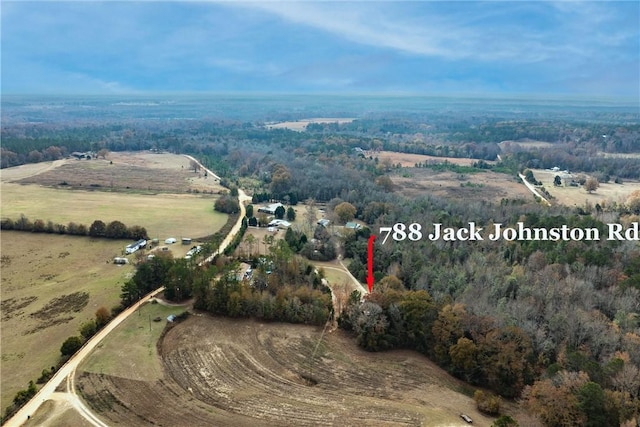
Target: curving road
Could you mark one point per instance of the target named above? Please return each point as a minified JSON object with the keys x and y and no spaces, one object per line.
{"x":67,"y":371}
{"x":242,"y":197}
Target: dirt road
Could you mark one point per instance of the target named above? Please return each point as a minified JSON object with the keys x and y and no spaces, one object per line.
{"x":29,"y":170}
{"x":67,"y":371}
{"x":533,"y":190}
{"x":242,"y":198}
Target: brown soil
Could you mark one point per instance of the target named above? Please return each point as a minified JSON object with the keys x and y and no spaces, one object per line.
{"x":100,"y":175}
{"x":409,"y":160}
{"x":127,"y":171}
{"x":485,"y":185}
{"x":220,"y":371}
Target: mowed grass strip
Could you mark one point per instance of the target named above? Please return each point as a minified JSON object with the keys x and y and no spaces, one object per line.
{"x":44,"y":279}
{"x":130,"y":350}
{"x":163,"y":215}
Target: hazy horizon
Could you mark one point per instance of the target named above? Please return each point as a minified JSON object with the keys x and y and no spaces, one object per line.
{"x":102,"y":108}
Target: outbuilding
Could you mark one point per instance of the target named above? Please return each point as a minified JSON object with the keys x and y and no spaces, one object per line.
{"x":270,"y":209}
{"x":466,"y":418}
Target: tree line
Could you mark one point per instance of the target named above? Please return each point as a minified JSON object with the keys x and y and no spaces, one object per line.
{"x":112,"y":230}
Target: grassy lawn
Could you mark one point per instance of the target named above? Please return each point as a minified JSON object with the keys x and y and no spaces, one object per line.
{"x":130,"y":350}
{"x":50,"y":285}
{"x":163,"y":215}
{"x":336,"y":277}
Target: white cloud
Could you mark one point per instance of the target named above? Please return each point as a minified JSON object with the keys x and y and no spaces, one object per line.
{"x":462,"y":31}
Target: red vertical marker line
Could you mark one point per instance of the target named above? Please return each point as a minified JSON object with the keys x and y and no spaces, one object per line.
{"x":370,"y":264}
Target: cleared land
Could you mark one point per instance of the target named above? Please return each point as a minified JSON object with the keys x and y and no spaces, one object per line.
{"x":134,"y":341}
{"x":301,"y":125}
{"x":156,"y":191}
{"x":50,"y":285}
{"x":221,"y":371}
{"x":483,"y":185}
{"x":163,"y":215}
{"x":480,"y":185}
{"x":620,"y":155}
{"x":578,"y":196}
{"x":409,"y":160}
{"x":524,"y":145}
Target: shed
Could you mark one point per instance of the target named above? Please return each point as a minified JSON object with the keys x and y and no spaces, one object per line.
{"x":324,"y":222}
{"x":186,"y":240}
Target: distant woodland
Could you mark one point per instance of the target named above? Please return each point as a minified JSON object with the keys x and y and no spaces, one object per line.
{"x":573,"y":144}
{"x":555,"y":324}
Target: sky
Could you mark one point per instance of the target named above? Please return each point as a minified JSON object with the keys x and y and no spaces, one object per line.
{"x":573,"y":48}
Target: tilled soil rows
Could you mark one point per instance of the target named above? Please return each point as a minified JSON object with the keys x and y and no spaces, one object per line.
{"x":222,"y":371}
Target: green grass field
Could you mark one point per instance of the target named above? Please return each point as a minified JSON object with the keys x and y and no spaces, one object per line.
{"x":37,"y":269}
{"x":163,"y":215}
{"x":130,"y":350}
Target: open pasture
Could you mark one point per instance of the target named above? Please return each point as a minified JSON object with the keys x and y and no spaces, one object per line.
{"x":524,"y":145}
{"x":157,"y":191}
{"x":142,"y":171}
{"x":163,"y":215}
{"x":301,"y":125}
{"x":605,"y":194}
{"x":50,"y":285}
{"x":483,"y":185}
{"x":408,"y":160}
{"x":134,"y":341}
{"x":220,"y":371}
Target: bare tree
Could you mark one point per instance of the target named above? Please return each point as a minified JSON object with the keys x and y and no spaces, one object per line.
{"x":251,"y":240}
{"x":311,"y":214}
{"x":591,"y":184}
{"x":103,"y":153}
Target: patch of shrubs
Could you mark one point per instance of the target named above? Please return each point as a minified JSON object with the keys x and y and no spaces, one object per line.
{"x":227,"y":204}
{"x":487,"y":403}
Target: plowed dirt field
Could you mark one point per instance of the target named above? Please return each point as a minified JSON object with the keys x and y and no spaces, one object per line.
{"x":228,"y":372}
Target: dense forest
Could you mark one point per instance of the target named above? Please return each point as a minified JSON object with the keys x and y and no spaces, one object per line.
{"x":574,"y":142}
{"x":555,"y":324}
